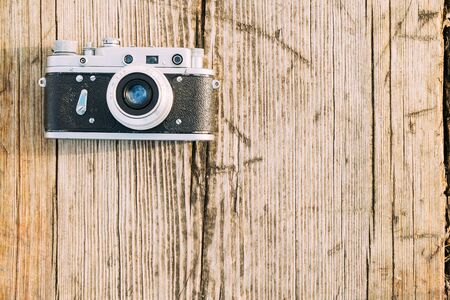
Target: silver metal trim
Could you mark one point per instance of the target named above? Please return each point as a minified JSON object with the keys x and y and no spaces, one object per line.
{"x":130,"y":136}
{"x":65,"y":47}
{"x":153,"y":117}
{"x":80,"y":69}
{"x":112,"y":56}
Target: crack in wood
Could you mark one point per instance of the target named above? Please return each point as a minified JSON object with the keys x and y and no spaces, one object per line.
{"x":421,"y":112}
{"x":425,"y":16}
{"x":237,"y":179}
{"x":397,"y":30}
{"x":446,"y":137}
{"x":273,"y":37}
{"x":234,"y":129}
{"x":416,"y":37}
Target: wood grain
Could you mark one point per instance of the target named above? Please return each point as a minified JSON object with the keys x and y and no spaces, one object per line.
{"x":27,"y":161}
{"x":327,"y":110}
{"x":130,"y":225}
{"x":326,"y":178}
{"x":408,"y":221}
{"x":291,"y":153}
{"x":9,"y":158}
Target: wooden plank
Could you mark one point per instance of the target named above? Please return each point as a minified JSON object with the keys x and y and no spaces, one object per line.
{"x":381,"y":264}
{"x":9,"y":158}
{"x":129,"y":225}
{"x":351,"y":139}
{"x":296,"y":200}
{"x":407,"y":247}
{"x":320,"y":141}
{"x":37,"y":157}
{"x":87,"y":241}
{"x":166,"y":263}
{"x":250,"y":242}
{"x":27,"y":160}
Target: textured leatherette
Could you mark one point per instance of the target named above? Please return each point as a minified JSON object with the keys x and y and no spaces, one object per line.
{"x":193,"y":104}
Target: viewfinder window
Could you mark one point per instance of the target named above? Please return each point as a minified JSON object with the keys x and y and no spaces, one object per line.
{"x":152,"y":60}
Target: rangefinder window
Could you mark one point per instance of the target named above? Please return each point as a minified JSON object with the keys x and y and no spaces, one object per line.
{"x":152,"y":60}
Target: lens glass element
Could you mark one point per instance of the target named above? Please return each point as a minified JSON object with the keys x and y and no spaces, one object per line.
{"x":128,"y":59}
{"x":136,"y":95}
{"x":177,"y":59}
{"x":139,"y":97}
{"x":153,"y":60}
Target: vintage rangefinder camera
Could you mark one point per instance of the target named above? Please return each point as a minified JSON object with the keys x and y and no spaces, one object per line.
{"x":115,"y":92}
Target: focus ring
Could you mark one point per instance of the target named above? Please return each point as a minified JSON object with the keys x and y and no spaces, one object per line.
{"x":150,"y":119}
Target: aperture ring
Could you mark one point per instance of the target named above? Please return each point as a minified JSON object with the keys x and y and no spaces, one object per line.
{"x":151,"y":118}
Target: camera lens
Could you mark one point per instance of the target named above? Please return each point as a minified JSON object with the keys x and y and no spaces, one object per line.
{"x":177,"y":59}
{"x":137,"y":96}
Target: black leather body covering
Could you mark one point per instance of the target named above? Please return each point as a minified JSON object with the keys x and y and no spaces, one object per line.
{"x":193,"y":104}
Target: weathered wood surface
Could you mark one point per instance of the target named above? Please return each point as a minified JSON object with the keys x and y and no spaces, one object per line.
{"x":326,"y":178}
{"x":407,"y":230}
{"x":27,"y":161}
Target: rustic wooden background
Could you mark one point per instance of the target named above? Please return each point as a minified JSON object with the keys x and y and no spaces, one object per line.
{"x":326,"y":178}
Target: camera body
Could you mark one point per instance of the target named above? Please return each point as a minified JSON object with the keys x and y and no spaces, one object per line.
{"x":115,"y":92}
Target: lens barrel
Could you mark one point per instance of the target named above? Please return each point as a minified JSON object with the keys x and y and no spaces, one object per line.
{"x":137,"y":94}
{"x":139,"y":97}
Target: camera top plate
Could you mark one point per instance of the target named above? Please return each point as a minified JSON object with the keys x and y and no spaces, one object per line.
{"x":111,"y":56}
